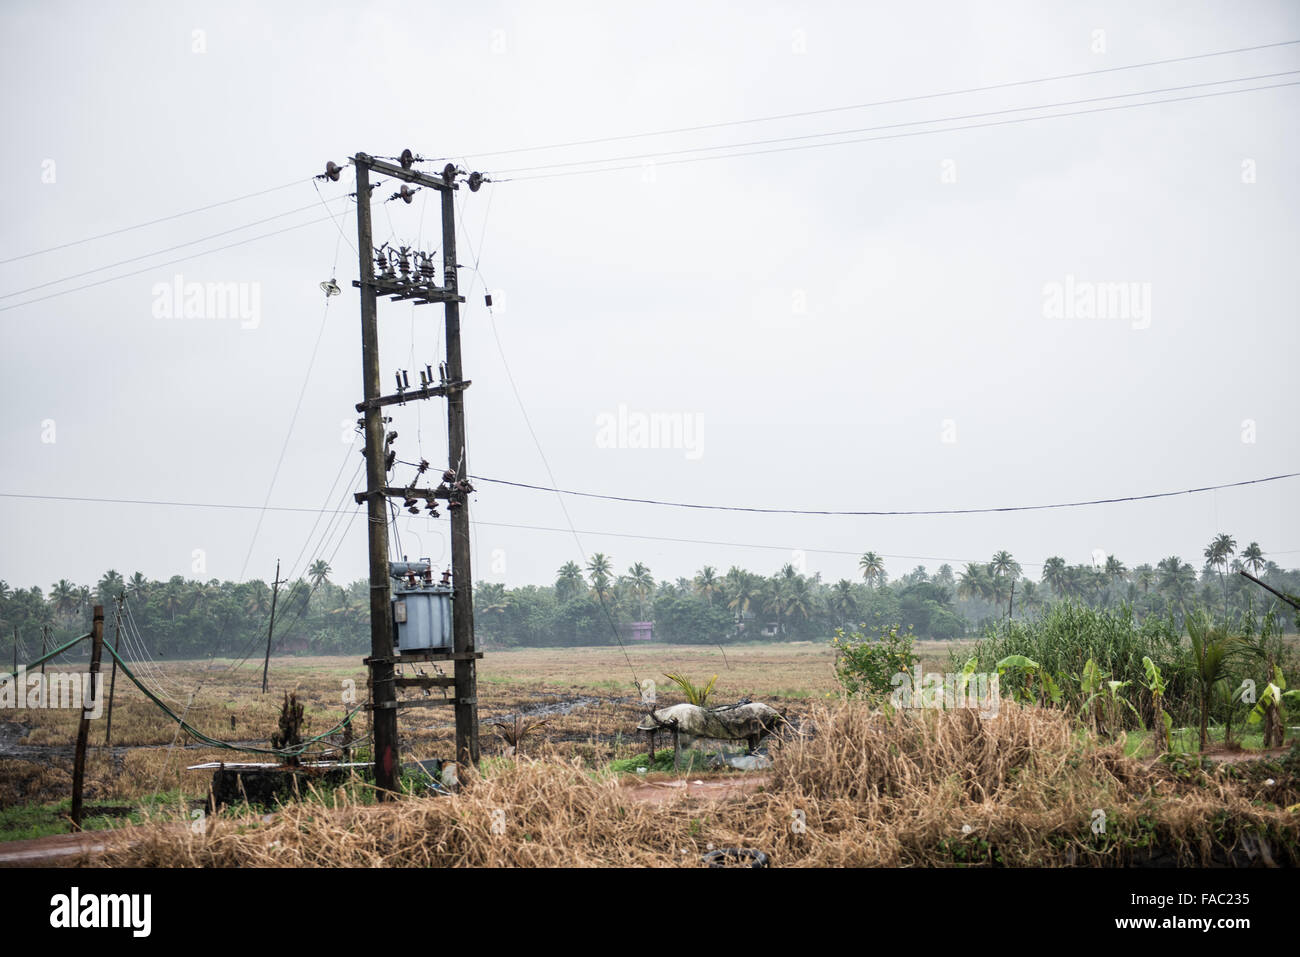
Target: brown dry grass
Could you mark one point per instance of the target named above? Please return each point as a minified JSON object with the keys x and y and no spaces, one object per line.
{"x":906,"y":789}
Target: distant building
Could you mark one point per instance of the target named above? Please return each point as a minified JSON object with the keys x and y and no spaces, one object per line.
{"x":638,"y":631}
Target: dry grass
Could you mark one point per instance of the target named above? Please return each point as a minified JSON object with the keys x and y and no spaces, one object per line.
{"x":907,"y":789}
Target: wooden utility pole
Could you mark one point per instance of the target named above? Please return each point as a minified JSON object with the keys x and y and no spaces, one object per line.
{"x":15,"y":649}
{"x":275,"y":591}
{"x":83,"y":731}
{"x":413,"y":278}
{"x":383,"y":692}
{"x":462,"y":599}
{"x":112,"y":684}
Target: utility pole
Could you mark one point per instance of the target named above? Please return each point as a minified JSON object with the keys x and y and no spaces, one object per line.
{"x":83,"y":730}
{"x":275,"y":591}
{"x":412,"y":275}
{"x":462,"y":600}
{"x":45,"y":630}
{"x":112,"y":684}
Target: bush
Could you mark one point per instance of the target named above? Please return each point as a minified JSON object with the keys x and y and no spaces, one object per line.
{"x":867,"y":665}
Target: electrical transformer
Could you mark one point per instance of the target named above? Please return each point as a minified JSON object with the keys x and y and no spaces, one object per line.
{"x":421,"y":608}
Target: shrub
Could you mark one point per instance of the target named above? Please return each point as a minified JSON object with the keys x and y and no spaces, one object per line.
{"x":867,"y":666}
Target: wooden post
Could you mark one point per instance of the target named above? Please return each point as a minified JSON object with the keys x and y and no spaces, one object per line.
{"x":275,"y":591}
{"x":112,"y":684}
{"x":383,"y":691}
{"x":83,"y":731}
{"x":462,"y":600}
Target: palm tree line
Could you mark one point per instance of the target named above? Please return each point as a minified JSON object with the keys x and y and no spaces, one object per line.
{"x":314,"y":615}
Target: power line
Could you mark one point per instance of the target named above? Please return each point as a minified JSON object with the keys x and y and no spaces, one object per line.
{"x":933,"y":511}
{"x":891,"y":126}
{"x":141,"y":501}
{"x":170,"y":262}
{"x":158,"y":252}
{"x":758,"y":545}
{"x":152,"y":222}
{"x":650,"y":501}
{"x":896,"y":136}
{"x":891,"y":102}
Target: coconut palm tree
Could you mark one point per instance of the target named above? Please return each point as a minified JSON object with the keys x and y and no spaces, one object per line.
{"x":63,"y":597}
{"x":1031,"y":596}
{"x":319,"y":572}
{"x":643,"y":584}
{"x":873,"y":568}
{"x":138,"y":586}
{"x":1212,"y":649}
{"x":746,"y":591}
{"x":1145,"y":576}
{"x":1222,"y":548}
{"x":843,"y":603}
{"x":600,"y":568}
{"x":569,"y":581}
{"x":1054,"y":575}
{"x":707,"y":583}
{"x":1005,"y":570}
{"x":1252,"y":558}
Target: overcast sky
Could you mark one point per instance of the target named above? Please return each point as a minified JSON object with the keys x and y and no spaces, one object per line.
{"x":868,"y":326}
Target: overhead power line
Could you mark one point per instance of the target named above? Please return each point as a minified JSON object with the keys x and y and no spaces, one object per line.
{"x":897,"y":136}
{"x":153,"y":222}
{"x":862,"y":106}
{"x":170,"y":262}
{"x":893,"y":126}
{"x":160,"y":252}
{"x":932,"y":511}
{"x":690,"y":505}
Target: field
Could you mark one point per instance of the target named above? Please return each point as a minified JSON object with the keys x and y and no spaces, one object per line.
{"x":1021,"y":789}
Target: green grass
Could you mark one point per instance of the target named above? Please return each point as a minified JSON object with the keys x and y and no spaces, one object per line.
{"x":23,"y":823}
{"x":663,"y":762}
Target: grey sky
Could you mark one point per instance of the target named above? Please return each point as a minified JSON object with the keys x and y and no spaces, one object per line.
{"x":829,"y":315}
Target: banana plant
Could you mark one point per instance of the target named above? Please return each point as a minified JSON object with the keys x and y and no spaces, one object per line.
{"x":1103,"y":696}
{"x":1162,"y":724}
{"x":1048,"y":689}
{"x":1269,"y":709}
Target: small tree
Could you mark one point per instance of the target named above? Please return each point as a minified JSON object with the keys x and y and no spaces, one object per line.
{"x":1211,"y":649}
{"x":867,"y":665}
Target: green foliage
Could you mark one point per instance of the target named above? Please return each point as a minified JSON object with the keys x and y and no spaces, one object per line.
{"x":1075,"y":649}
{"x":695,"y":694}
{"x":866,"y":666}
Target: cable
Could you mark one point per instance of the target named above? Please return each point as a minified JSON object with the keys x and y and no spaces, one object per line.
{"x":893,"y":126}
{"x":933,"y":511}
{"x":171,"y":262}
{"x":699,"y":541}
{"x":894,"y":136}
{"x":141,"y":501}
{"x":862,"y":106}
{"x":647,"y":501}
{"x":157,"y":252}
{"x":152,"y":222}
{"x":284,"y":447}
